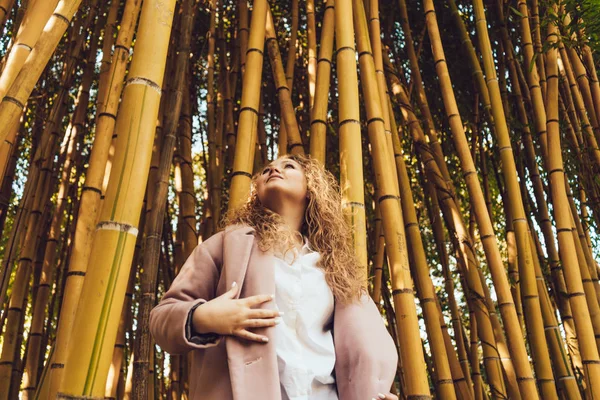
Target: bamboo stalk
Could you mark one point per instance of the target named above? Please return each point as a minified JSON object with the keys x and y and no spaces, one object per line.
{"x":214,"y":157}
{"x":158,"y":199}
{"x":433,"y":212}
{"x":247,"y":123}
{"x":36,"y":16}
{"x":421,"y":98}
{"x":318,"y":121}
{"x":293,"y":142}
{"x":96,"y":320}
{"x":529,"y":293}
{"x":393,"y":224}
{"x":467,"y":258}
{"x":15,"y":98}
{"x":351,"y":172}
{"x":89,"y":207}
{"x":40,"y":181}
{"x":444,"y":382}
{"x":5,"y":8}
{"x":77,"y":131}
{"x":562,"y":215}
{"x":311,"y":35}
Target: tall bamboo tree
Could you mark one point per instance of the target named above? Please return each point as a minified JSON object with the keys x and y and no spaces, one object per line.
{"x":99,"y":310}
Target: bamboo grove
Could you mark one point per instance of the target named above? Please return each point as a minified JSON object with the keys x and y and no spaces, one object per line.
{"x":464,"y":134}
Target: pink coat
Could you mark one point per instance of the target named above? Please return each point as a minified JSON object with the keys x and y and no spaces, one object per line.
{"x":234,"y":368}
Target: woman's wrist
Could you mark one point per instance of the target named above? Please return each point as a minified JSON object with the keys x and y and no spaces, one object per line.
{"x":200,"y":321}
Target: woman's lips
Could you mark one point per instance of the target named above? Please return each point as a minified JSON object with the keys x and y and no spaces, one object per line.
{"x":274,"y":176}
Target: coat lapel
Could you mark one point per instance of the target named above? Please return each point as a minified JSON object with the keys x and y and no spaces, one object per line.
{"x":237,"y":246}
{"x":253,"y":369}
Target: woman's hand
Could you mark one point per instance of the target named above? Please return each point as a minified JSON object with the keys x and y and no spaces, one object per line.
{"x":388,"y":396}
{"x":226,"y":315}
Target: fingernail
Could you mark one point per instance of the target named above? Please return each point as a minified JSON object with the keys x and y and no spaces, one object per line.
{"x":272,"y":296}
{"x":265,"y":339}
{"x":281,"y":313}
{"x":381,"y":395}
{"x":234,"y":284}
{"x":373,"y":398}
{"x":277,"y":320}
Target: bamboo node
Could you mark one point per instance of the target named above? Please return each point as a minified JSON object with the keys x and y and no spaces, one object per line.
{"x":25,"y":46}
{"x":63,"y":396}
{"x":402,"y":291}
{"x":14,"y":101}
{"x":117,"y":226}
{"x":138,"y":80}
{"x":62,"y":18}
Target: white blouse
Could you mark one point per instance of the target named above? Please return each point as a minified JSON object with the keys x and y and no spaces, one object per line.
{"x":304,"y":339}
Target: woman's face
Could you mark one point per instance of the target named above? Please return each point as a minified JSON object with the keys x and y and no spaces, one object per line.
{"x":282,"y":182}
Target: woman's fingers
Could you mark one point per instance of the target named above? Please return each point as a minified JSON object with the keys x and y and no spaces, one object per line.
{"x":261,"y":323}
{"x":263,"y":313}
{"x":258,"y":299}
{"x":243,"y":333}
{"x":388,"y":396}
{"x":232,"y":291}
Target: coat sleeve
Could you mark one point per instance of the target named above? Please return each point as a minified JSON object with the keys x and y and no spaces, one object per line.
{"x":194,"y":285}
{"x":366,"y":356}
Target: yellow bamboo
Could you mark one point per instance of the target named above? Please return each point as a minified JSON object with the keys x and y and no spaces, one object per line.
{"x":248,"y":117}
{"x":531,"y":304}
{"x":89,"y":205}
{"x":39,"y":176}
{"x":96,"y":320}
{"x":36,"y":15}
{"x":533,"y":78}
{"x":393,"y":224}
{"x":214,"y":156}
{"x":311,"y":35}
{"x":436,"y":223}
{"x":16,"y":97}
{"x":114,"y":373}
{"x":107,"y":44}
{"x":76,"y":130}
{"x":539,"y":55}
{"x":421,"y":98}
{"x":158,"y":200}
{"x":294,"y":141}
{"x":444,"y":379}
{"x":379,"y":256}
{"x":593,"y":76}
{"x":282,"y":140}
{"x":375,"y":40}
{"x":291,"y":55}
{"x":589,"y":261}
{"x":583,"y":83}
{"x":318,"y":117}
{"x":562,"y":215}
{"x":5,"y":8}
{"x":589,"y":136}
{"x":351,"y":172}
{"x":467,"y":259}
{"x":18,"y":301}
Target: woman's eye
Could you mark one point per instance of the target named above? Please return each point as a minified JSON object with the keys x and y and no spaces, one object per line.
{"x":265,"y":171}
{"x":289,"y":166}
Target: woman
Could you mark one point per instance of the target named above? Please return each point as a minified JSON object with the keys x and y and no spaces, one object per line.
{"x":275,"y":306}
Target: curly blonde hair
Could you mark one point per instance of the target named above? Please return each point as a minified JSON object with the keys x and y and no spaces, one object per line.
{"x":327,"y":231}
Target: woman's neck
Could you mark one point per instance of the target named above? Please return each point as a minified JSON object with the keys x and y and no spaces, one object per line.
{"x":292,"y":215}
